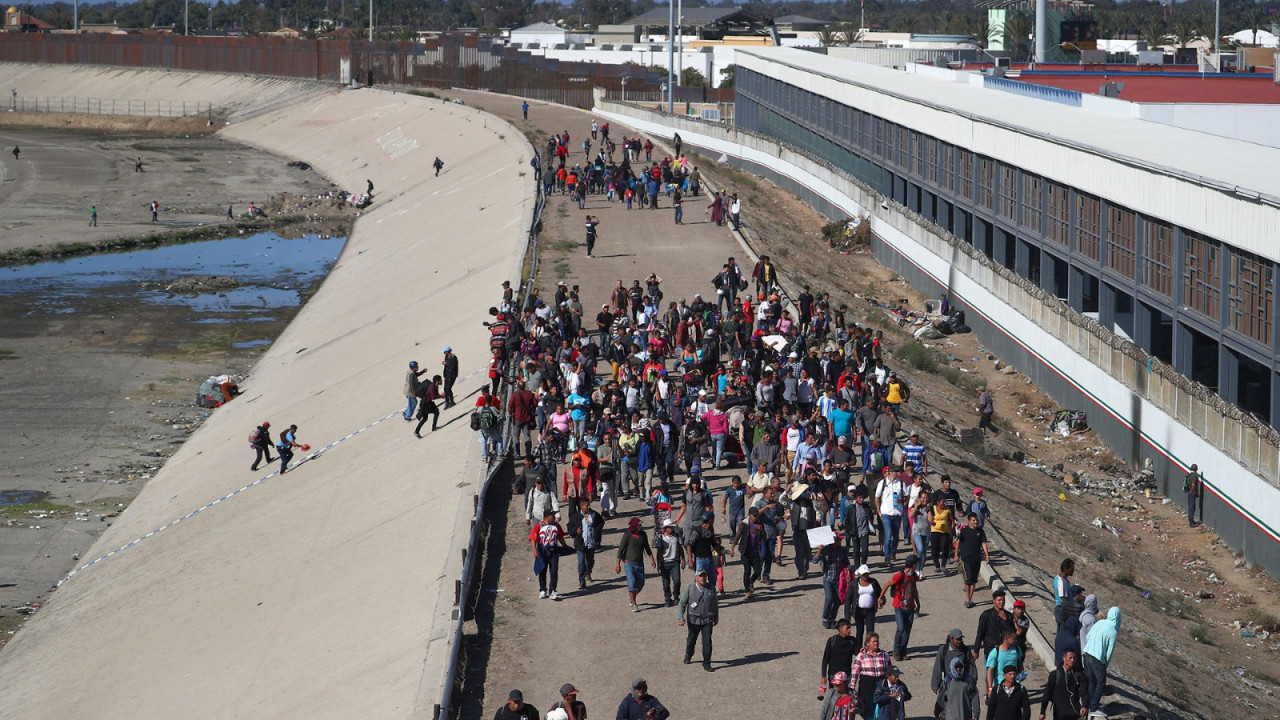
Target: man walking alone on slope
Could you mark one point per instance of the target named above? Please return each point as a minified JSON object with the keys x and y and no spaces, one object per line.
{"x":450,"y":364}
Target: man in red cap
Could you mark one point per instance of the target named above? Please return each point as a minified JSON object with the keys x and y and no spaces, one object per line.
{"x":569,"y":702}
{"x":260,"y":441}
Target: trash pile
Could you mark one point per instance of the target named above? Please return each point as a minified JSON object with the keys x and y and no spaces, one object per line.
{"x":1066,"y":422}
{"x":216,"y":391}
{"x":331,"y":202}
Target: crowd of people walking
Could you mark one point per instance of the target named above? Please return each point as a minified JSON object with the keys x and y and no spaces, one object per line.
{"x":790,"y":407}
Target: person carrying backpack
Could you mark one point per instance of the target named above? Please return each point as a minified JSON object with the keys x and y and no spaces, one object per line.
{"x":488,"y":420}
{"x":906,"y":604}
{"x":260,"y":441}
{"x":953,"y":648}
{"x":427,"y":407}
{"x":284,"y":447}
{"x":546,"y":538}
{"x":959,"y":693}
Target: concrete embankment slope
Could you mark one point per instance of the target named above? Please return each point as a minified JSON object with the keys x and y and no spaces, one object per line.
{"x":122,"y":91}
{"x":326,"y":592}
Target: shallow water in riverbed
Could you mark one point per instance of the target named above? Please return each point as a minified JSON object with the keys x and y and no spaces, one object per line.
{"x":269,"y":272}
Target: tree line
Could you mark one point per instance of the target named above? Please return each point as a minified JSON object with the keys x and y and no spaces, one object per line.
{"x":1154,"y":22}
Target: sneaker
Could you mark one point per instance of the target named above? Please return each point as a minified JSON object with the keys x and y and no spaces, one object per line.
{"x":554,"y":596}
{"x":635,"y":608}
{"x":542,"y":594}
{"x":688,"y":661}
{"x":707,"y":667}
{"x":671,"y":603}
{"x":582,"y":585}
{"x":253,"y":468}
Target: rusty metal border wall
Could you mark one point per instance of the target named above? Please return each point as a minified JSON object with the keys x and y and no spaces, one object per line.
{"x":450,"y":60}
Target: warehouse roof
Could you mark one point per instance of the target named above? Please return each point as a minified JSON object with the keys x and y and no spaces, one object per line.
{"x":1227,"y":164}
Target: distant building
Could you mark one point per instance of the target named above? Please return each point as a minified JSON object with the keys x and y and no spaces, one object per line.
{"x":798,"y":23}
{"x":110,"y":28}
{"x":544,"y":34}
{"x":287,"y":31}
{"x":709,"y":24}
{"x":16,"y":21}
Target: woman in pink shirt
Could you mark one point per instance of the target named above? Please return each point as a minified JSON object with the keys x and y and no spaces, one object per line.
{"x":717,"y":421}
{"x":557,"y":430}
{"x":785,"y":324}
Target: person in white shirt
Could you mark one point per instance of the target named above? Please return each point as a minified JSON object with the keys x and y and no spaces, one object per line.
{"x":891,"y":496}
{"x":791,"y":436}
{"x":700,"y":406}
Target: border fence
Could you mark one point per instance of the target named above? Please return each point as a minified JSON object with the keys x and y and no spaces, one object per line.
{"x":461,"y":60}
{"x":108,"y":106}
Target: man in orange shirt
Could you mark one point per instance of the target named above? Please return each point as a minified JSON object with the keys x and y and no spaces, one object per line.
{"x":584,"y":463}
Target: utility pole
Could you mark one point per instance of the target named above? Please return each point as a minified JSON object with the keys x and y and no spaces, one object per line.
{"x":186,"y":17}
{"x":680,"y":32}
{"x":370,"y":20}
{"x":1042,"y":31}
{"x":1217,"y":35}
{"x":671,"y":56}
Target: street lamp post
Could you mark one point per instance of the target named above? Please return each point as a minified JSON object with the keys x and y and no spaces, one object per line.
{"x":370,"y":20}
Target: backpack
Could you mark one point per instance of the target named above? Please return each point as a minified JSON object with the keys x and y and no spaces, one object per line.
{"x":255,"y":437}
{"x":843,"y":583}
{"x":475,"y":420}
{"x":487,"y":418}
{"x":900,"y":581}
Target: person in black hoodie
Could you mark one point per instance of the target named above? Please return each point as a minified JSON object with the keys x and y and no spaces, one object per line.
{"x":1009,"y":700}
{"x":1067,"y":689}
{"x":837,"y":656}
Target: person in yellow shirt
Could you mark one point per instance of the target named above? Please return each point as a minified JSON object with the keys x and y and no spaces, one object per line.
{"x":941,"y":523}
{"x":895,"y":393}
{"x":628,"y":453}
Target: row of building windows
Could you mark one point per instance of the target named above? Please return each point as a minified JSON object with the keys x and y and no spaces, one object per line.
{"x":1110,"y":236}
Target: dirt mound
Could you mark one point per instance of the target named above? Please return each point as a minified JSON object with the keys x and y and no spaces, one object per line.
{"x":124,"y":124}
{"x":194,"y":284}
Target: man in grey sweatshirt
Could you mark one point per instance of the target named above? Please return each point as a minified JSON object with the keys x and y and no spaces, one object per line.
{"x":1088,"y":617}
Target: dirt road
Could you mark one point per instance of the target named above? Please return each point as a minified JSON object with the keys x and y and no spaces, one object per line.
{"x":1159,"y":573}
